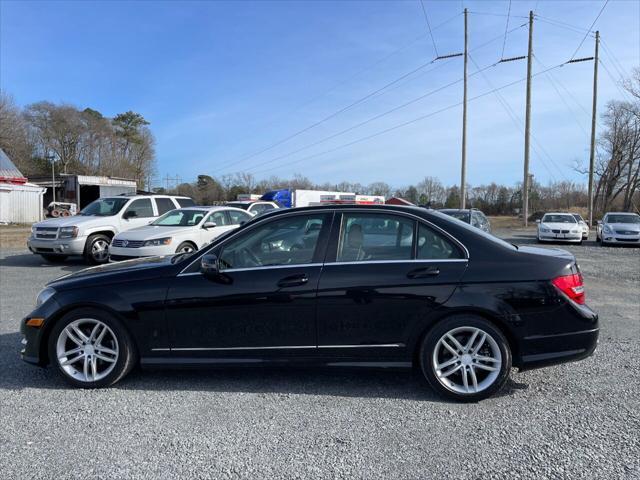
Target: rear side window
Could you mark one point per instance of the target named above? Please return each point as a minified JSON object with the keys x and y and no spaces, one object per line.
{"x":140,"y":208}
{"x":185,"y":202}
{"x":433,"y":245}
{"x":372,"y":237}
{"x":238,"y":217}
{"x":164,"y":205}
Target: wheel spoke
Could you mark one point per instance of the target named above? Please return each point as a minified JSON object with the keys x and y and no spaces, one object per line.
{"x":480,"y":343}
{"x":474,"y":379}
{"x":453,"y":351}
{"x":447,"y":363}
{"x":72,"y":336}
{"x":94,"y":331}
{"x":101,"y":349}
{"x":68,"y":353}
{"x":482,"y":358}
{"x":472,"y":339}
{"x":85,"y":369}
{"x":94,"y":367}
{"x":455,"y":341}
{"x":485,"y":367}
{"x":79,"y":333}
{"x":69,"y":361}
{"x":450,"y":371}
{"x":105,"y":358}
{"x":465,"y":380}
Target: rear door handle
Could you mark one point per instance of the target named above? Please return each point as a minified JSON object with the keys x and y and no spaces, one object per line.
{"x":293,"y":280}
{"x":424,"y":272}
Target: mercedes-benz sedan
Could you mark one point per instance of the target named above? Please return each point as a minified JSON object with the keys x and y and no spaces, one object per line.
{"x":352,"y":286}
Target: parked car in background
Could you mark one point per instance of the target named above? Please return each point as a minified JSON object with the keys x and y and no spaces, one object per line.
{"x":352,"y":286}
{"x":255,"y":208}
{"x":559,"y":227}
{"x":179,"y":231}
{"x":619,"y":228}
{"x":89,"y":233}
{"x":472,"y":216}
{"x":583,"y":225}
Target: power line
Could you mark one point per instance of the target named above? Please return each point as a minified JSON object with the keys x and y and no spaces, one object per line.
{"x":426,"y":18}
{"x":403,"y":124}
{"x":563,"y":24}
{"x":506,"y":28}
{"x":614,"y":60}
{"x":590,"y":28}
{"x":622,"y":91}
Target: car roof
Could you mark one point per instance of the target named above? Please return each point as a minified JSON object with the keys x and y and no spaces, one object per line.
{"x":561,"y":213}
{"x":621,"y":213}
{"x":211,"y":208}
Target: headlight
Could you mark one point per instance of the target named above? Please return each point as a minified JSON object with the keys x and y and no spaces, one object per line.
{"x":33,"y":229}
{"x":44,"y":295}
{"x":607,"y":229}
{"x":157,"y":242}
{"x":68,"y":232}
{"x":545,"y":230}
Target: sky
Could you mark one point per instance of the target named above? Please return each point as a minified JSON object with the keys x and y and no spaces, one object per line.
{"x":286,"y":87}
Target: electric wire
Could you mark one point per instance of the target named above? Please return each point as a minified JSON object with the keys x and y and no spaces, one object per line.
{"x":590,"y":29}
{"x":506,"y":28}
{"x":426,"y":18}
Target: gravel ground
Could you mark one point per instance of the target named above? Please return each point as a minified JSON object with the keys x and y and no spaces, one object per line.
{"x":577,"y":420}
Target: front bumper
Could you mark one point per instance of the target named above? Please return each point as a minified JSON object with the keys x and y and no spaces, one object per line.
{"x":620,"y":239}
{"x":34,"y":349}
{"x":560,"y":237}
{"x":122,"y":253}
{"x":67,"y":246}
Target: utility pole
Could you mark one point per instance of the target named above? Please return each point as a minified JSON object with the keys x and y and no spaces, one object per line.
{"x":592,"y":151}
{"x":527,"y":127}
{"x":463,"y":172}
{"x":52,"y":159}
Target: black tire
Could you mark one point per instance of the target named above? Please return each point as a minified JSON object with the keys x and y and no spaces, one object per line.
{"x":54,"y":258}
{"x":185,"y":245}
{"x":431,"y":340}
{"x":127,"y":355}
{"x":90,"y":255}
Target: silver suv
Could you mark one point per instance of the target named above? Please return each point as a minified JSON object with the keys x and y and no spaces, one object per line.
{"x":90,"y":232}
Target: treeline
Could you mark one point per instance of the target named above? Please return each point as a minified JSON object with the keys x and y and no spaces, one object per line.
{"x":492,"y":199}
{"x":79,"y":141}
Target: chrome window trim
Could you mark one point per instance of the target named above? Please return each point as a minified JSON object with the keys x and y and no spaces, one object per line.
{"x":282,"y":347}
{"x":376,"y":208}
{"x":364,"y":262}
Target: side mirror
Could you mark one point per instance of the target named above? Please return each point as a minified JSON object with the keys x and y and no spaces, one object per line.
{"x":209,"y":265}
{"x":538,"y":221}
{"x":208,"y":225}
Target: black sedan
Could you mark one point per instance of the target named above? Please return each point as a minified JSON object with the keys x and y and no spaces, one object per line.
{"x":353,"y":286}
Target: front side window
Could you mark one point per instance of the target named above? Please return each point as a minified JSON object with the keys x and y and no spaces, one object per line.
{"x":218,"y":218}
{"x":164,"y":205}
{"x":238,"y":217}
{"x":433,"y":245}
{"x":140,"y":208}
{"x":286,"y":241}
{"x":374,"y":237}
{"x":180,"y":218}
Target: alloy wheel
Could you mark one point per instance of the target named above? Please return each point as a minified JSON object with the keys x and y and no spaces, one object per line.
{"x":466,"y":360}
{"x":186,"y":249}
{"x":100,"y":250}
{"x":87,"y":350}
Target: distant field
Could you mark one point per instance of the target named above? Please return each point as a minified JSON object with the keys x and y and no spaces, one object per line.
{"x":14,"y":236}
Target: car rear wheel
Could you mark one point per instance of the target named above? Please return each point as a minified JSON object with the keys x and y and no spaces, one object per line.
{"x":91,"y":349}
{"x":465,"y":358}
{"x":96,"y":250}
{"x":186,"y":247}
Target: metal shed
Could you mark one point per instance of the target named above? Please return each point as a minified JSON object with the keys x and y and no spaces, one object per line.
{"x":20,"y":202}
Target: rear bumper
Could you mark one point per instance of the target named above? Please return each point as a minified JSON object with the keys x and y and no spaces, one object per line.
{"x":71,"y":246}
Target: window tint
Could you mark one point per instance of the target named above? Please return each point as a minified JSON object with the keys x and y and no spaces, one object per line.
{"x":141,"y":207}
{"x":238,"y":217}
{"x":261,"y":208}
{"x":164,"y":205}
{"x":180,"y":218}
{"x":185,"y":202}
{"x":287,"y":241}
{"x":369,"y":237}
{"x":219,"y":218}
{"x":434,"y":246}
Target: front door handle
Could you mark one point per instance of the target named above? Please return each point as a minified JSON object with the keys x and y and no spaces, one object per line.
{"x":424,"y":272}
{"x":293,"y":280}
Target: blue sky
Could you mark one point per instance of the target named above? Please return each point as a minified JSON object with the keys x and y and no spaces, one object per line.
{"x":221,"y":82}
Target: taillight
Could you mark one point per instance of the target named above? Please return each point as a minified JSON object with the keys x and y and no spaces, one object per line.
{"x":572,"y":286}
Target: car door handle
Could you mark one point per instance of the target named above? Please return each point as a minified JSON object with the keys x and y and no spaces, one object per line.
{"x":424,"y":272}
{"x":293,"y":280}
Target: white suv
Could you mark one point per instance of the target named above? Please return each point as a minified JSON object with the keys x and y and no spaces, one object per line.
{"x":90,"y":232}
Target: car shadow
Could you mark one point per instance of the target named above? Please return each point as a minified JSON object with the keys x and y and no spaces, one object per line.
{"x":30,"y":260}
{"x":385,"y":384}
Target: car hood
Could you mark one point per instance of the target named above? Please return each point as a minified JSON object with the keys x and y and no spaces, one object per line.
{"x":629,"y":227}
{"x":137,"y":269}
{"x":560,"y":226}
{"x":148,"y":232}
{"x":75,"y":220}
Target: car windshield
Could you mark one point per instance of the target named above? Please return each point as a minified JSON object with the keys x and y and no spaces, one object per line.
{"x":558,"y":219}
{"x":180,"y":218}
{"x":460,"y":215}
{"x":578,"y":217}
{"x":623,"y":219}
{"x":104,"y":207}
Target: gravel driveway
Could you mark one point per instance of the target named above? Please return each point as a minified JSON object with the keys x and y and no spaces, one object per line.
{"x":579,"y":420}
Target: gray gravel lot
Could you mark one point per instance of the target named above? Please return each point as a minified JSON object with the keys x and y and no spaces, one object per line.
{"x":576,"y":420}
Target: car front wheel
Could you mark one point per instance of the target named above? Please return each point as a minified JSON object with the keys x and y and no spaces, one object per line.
{"x":465,"y":358}
{"x":91,"y":349}
{"x":96,"y":250}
